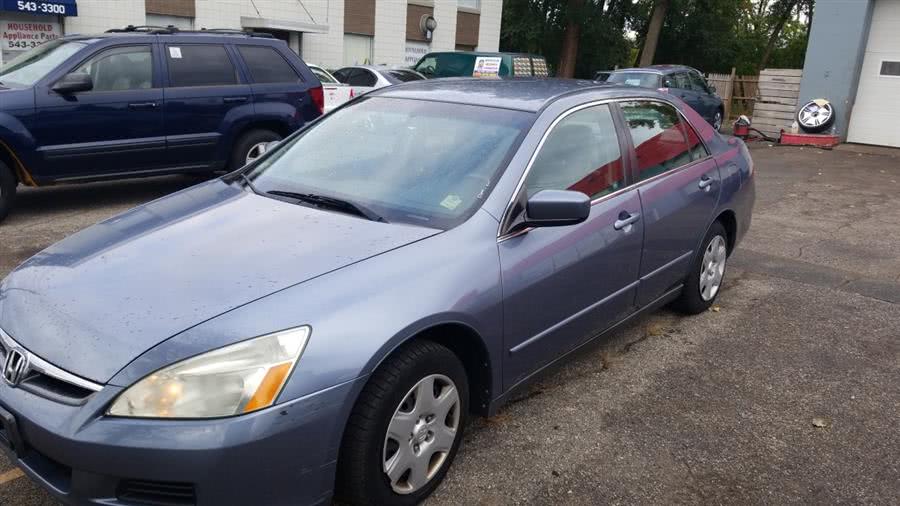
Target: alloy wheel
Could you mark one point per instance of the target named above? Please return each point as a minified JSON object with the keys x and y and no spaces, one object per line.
{"x":712,"y":269}
{"x":421,"y":433}
{"x":717,"y":121}
{"x":256,"y":151}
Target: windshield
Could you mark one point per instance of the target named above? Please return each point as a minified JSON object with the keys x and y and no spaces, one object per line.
{"x":642,"y":79}
{"x":409,"y":161}
{"x":31,"y":66}
{"x":455,"y":65}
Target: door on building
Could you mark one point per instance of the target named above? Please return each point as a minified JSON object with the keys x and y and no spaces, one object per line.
{"x":875,"y":113}
{"x":357,"y":49}
{"x":115,"y":127}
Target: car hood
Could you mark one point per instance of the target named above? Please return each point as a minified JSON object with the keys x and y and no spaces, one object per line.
{"x":95,"y":301}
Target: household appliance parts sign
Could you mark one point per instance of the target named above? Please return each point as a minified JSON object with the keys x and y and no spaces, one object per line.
{"x":44,"y":7}
{"x":24,"y":35}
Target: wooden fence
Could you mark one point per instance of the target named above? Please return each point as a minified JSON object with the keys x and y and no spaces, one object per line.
{"x":769,"y":98}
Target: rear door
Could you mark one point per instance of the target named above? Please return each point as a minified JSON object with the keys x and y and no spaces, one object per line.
{"x":361,"y":80}
{"x":204,"y":97}
{"x":564,"y":285}
{"x":279,"y":92}
{"x":117,"y":127}
{"x":679,"y":187}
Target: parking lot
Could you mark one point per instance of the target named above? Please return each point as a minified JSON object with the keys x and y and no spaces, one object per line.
{"x":787,"y":391}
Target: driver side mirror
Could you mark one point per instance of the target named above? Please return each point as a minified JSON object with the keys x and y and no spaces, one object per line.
{"x":557,"y":208}
{"x":74,"y":82}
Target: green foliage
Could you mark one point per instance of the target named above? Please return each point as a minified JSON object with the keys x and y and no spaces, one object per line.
{"x":711,"y":35}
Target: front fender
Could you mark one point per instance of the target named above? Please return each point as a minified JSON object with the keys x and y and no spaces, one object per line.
{"x":17,"y":140}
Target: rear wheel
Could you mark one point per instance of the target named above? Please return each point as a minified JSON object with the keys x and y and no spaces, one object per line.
{"x":251,"y":146}
{"x":405,"y":428}
{"x":704,"y":282}
{"x":8,"y":185}
{"x":717,"y":120}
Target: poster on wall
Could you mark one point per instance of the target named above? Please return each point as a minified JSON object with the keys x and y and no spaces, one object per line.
{"x":23,"y":35}
{"x":487,"y":66}
{"x":415,"y":51}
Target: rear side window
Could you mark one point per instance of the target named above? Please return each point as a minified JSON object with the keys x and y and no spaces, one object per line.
{"x":661,"y":138}
{"x":697,"y":82}
{"x":361,"y":77}
{"x":580,"y":154}
{"x":199,"y":65}
{"x":267,"y":66}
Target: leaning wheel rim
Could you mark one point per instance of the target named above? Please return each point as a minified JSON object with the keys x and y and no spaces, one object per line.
{"x":256,"y":151}
{"x":421,"y":433}
{"x":813,"y":115}
{"x":717,"y":121}
{"x":712,"y":269}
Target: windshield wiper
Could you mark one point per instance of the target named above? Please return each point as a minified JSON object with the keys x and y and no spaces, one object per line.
{"x":331,"y":203}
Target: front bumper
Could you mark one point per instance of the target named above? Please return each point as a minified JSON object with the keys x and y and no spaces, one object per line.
{"x":282,"y":455}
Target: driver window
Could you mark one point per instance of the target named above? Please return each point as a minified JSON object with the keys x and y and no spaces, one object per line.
{"x":580,"y":154}
{"x":121,"y":68}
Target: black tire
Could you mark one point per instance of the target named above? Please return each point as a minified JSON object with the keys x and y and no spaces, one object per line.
{"x":815,"y":129}
{"x":691,"y":300}
{"x":246,"y":142}
{"x":361,"y":478}
{"x":8,"y":183}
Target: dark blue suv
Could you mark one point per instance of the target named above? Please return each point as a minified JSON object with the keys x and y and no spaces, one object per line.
{"x":145,"y":101}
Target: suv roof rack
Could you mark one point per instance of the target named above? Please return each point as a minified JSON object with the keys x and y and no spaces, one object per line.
{"x":172,"y":30}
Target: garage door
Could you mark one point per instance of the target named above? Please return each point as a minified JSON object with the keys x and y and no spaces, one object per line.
{"x":876,"y":115}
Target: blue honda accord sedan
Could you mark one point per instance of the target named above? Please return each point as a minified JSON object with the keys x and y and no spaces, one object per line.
{"x":322,"y":322}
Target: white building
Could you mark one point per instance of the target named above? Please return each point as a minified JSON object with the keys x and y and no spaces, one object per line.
{"x":331,"y":33}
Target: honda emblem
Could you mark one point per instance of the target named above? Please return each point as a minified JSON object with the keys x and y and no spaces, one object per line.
{"x":16,"y":367}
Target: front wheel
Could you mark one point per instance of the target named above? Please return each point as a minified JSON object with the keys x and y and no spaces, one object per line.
{"x":704,"y":282}
{"x":8,"y":185}
{"x":405,"y":428}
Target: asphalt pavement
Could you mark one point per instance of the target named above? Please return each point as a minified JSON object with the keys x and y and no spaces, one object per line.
{"x":787,"y":391}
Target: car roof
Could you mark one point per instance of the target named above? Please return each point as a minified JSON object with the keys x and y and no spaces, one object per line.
{"x":485,"y":53}
{"x":658,"y":69}
{"x":524,"y":94}
{"x":176,"y":36}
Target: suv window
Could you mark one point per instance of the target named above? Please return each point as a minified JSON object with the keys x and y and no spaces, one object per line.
{"x":120,"y":68}
{"x":662,"y":140}
{"x":267,"y":66}
{"x":361,"y":77}
{"x":199,"y":65}
{"x":580,"y":154}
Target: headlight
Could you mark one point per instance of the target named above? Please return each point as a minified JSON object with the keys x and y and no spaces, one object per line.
{"x":236,"y":379}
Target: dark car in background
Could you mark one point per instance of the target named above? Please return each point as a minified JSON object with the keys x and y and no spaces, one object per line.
{"x":684,"y":82}
{"x":481,"y":64}
{"x":141,"y":102}
{"x":416,"y":256}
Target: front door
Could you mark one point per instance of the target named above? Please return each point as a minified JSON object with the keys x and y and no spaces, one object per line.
{"x":679,"y":189}
{"x":117,"y":127}
{"x":204,"y":92}
{"x":564,"y":285}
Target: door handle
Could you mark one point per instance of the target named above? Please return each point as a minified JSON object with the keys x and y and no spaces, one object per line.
{"x":142,"y":105}
{"x":234,"y":100}
{"x":625,"y":220}
{"x":705,"y":183}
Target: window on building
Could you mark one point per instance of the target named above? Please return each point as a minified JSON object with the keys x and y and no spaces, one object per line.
{"x":121,"y":68}
{"x":469,"y":4}
{"x":581,"y":154}
{"x":199,"y":65}
{"x":180,"y":22}
{"x":660,"y":138}
{"x":357,"y":49}
{"x":267,"y":66}
{"x":890,"y":68}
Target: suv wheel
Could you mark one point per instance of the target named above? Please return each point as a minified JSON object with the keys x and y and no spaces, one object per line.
{"x":704,"y":282}
{"x":8,"y":185}
{"x":405,"y":428}
{"x":251,"y":146}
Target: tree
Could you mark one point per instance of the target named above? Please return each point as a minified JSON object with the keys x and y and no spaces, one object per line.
{"x":781,"y":12}
{"x":569,"y":53}
{"x":656,"y":22}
